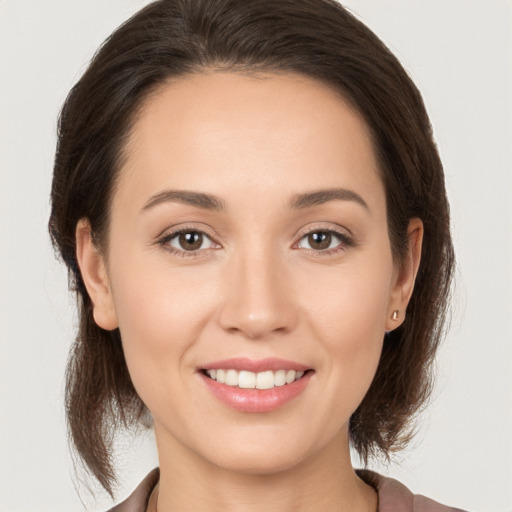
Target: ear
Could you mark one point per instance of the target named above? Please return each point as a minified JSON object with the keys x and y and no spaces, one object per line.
{"x":405,"y":276}
{"x":94,"y":274}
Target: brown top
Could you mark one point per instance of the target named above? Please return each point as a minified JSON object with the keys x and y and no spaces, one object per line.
{"x":393,"y":496}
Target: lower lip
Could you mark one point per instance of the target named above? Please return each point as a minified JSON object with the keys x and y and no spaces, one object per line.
{"x":257,"y":400}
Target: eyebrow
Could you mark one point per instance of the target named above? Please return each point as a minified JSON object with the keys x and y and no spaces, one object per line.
{"x":323,"y":196}
{"x":197,"y":199}
{"x":211,"y":202}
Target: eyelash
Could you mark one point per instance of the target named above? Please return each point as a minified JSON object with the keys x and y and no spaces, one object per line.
{"x":345,"y":242}
{"x":168,"y":236}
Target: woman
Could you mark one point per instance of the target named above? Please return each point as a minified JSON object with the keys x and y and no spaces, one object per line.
{"x":253,"y":212}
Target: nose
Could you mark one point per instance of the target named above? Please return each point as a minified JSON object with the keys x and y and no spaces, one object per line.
{"x":258,"y":296}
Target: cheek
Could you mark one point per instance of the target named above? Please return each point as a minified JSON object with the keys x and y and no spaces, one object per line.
{"x":349,"y":303}
{"x":348,"y":314}
{"x":161,"y":312}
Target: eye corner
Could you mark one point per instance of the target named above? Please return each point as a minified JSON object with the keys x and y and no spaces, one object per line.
{"x":166,"y":239}
{"x":344,"y":239}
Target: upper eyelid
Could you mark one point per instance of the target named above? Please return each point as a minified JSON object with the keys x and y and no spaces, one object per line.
{"x":164,"y":239}
{"x":170,"y":232}
{"x":299,"y":235}
{"x":345,"y":240}
{"x":336,"y":232}
{"x":339,"y":230}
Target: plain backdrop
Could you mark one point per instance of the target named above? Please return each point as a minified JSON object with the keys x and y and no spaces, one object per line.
{"x":459,"y":52}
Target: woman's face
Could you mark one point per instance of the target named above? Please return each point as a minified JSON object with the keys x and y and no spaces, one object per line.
{"x":248,"y":236}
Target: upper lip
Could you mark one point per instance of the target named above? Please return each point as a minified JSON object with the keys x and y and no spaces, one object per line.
{"x":255,"y":365}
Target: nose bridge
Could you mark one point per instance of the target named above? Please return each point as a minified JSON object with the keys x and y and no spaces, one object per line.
{"x":257,"y":300}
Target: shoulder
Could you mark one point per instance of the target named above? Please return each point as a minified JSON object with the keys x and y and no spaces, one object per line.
{"x":138,"y":500}
{"x":396,"y":497}
{"x":393,"y":495}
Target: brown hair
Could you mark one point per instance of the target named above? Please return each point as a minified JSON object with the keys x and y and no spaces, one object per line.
{"x":316,"y":38}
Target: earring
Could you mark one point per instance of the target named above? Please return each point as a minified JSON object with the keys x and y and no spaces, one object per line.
{"x":394,"y":316}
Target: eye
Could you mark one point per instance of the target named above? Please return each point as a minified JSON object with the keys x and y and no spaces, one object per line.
{"x":328,"y":241}
{"x":187,"y":241}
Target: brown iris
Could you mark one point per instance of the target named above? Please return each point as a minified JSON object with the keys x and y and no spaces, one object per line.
{"x":191,"y":240}
{"x":320,"y":240}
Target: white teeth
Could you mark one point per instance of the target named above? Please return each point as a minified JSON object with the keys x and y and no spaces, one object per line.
{"x":290,"y":376}
{"x":280,"y":378}
{"x":265,"y":380}
{"x":231,"y":378}
{"x":246,"y":380}
{"x":221,"y":376}
{"x":250,"y":380}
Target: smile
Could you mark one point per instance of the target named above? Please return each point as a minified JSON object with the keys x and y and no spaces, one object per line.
{"x":250,"y":380}
{"x":256,"y":386}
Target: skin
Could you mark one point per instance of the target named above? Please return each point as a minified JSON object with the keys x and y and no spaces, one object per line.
{"x":256,"y":288}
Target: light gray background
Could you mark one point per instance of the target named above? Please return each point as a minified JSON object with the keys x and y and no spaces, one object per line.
{"x":460,"y":53}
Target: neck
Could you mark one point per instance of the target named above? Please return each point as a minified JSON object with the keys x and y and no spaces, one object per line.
{"x":325,"y":482}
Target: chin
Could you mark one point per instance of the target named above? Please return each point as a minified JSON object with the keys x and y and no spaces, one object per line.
{"x":264,"y":452}
{"x":258,"y":461}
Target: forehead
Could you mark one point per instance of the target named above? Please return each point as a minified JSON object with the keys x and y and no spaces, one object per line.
{"x":205,"y":131}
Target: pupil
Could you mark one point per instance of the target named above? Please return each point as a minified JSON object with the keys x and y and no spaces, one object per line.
{"x":320,"y":239}
{"x":191,"y":241}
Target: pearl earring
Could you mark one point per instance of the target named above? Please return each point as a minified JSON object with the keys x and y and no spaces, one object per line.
{"x":394,"y":316}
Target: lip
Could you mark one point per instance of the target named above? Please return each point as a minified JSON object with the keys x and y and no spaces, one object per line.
{"x":256,"y":400}
{"x":251,"y":365}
